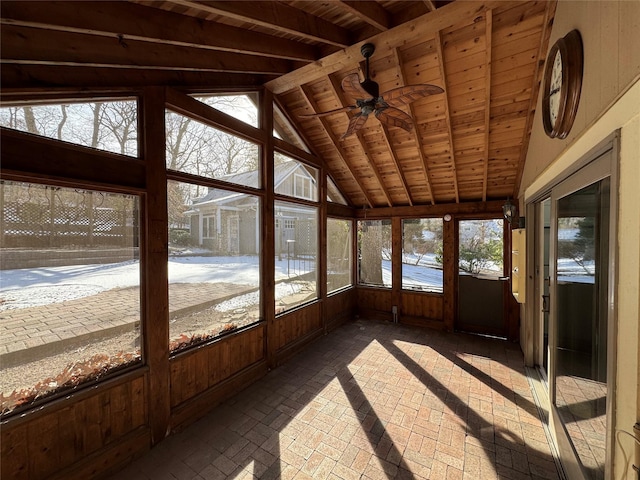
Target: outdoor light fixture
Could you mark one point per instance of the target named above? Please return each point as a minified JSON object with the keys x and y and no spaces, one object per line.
{"x":509,"y":211}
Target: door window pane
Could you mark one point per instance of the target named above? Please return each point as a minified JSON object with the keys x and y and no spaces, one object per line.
{"x":374,"y":253}
{"x":581,"y":326}
{"x":338,"y":254}
{"x":422,"y":254}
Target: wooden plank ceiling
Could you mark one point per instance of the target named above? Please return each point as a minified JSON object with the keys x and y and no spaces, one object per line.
{"x":467,"y":144}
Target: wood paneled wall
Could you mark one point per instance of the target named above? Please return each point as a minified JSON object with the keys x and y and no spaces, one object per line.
{"x":375,"y":303}
{"x":79,"y":436}
{"x":203,"y":368}
{"x":422,"y":309}
{"x":296,"y":325}
{"x":339,"y":308}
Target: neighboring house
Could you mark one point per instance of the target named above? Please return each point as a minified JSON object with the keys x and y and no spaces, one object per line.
{"x":226,"y":222}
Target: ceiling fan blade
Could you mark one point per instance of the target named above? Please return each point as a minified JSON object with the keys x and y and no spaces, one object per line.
{"x":410,"y":93}
{"x":355,"y":124}
{"x":330,"y":112}
{"x":351,"y":86}
{"x":393,"y":117}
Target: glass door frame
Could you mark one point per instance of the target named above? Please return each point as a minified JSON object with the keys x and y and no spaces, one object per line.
{"x":600,"y":163}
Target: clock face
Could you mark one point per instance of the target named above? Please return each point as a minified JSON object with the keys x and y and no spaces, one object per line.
{"x":555,"y":88}
{"x":562,"y":85}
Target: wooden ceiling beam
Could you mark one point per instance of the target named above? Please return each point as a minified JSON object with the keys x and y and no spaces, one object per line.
{"x":25,"y":45}
{"x":421,"y":28}
{"x":447,"y":113}
{"x":122,"y":20}
{"x":336,"y":142}
{"x":394,"y":159}
{"x":276,"y":16}
{"x":49,"y":78}
{"x":424,"y":164}
{"x":487,"y":96}
{"x":370,"y":12}
{"x":337,"y":92}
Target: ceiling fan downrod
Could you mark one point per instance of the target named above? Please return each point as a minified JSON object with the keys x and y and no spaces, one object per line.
{"x":370,"y":86}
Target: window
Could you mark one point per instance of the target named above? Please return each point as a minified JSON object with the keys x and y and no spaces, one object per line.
{"x":283,"y":129}
{"x":296,"y":249}
{"x":218,"y":268}
{"x":198,"y":149}
{"x":422,"y":254}
{"x":242,"y":107}
{"x":69,"y":289}
{"x":111,"y":126}
{"x":480,"y":251}
{"x":333,"y":193}
{"x":339,"y":234}
{"x":295,"y":179}
{"x":302,"y":187}
{"x":374,"y":253}
{"x":208,"y":227}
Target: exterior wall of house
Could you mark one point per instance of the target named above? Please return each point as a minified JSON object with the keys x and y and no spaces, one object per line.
{"x":610,"y":102}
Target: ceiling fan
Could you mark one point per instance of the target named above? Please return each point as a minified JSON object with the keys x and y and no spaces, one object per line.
{"x":369,"y":100}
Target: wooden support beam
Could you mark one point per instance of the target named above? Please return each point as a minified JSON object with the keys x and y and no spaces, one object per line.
{"x":267,"y":232}
{"x":336,"y":142}
{"x":450,"y":273}
{"x":447,"y":113}
{"x":16,"y":79}
{"x":424,"y":164}
{"x":487,"y":108}
{"x":276,"y":16}
{"x":370,"y":12}
{"x":122,"y":20}
{"x":26,"y":45}
{"x":155,"y":252}
{"x":396,"y":163}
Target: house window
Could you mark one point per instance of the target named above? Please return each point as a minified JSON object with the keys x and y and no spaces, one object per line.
{"x":230,"y":256}
{"x":302,"y":187}
{"x":422,"y":254}
{"x":69,"y":289}
{"x":106,"y":125}
{"x":209,"y":227}
{"x":374,"y":253}
{"x":339,"y":246}
{"x":296,"y":249}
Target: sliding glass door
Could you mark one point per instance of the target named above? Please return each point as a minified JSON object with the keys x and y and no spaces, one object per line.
{"x":581,"y":323}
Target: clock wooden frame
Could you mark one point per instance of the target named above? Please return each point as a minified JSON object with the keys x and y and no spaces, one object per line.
{"x":571,"y":55}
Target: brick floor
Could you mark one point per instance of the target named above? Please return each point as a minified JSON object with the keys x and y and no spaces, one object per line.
{"x":370,"y":400}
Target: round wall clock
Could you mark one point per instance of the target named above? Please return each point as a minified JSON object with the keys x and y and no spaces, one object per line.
{"x":562,"y":85}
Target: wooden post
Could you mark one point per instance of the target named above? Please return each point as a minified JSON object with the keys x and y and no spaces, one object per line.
{"x":155,"y":301}
{"x":396,"y":267}
{"x":450,"y":272}
{"x":267,"y":249}
{"x":321,"y":262}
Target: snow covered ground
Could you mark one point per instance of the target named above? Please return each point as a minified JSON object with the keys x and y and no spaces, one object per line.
{"x":23,"y":288}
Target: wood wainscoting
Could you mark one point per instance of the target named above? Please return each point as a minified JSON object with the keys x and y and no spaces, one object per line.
{"x":80,"y":436}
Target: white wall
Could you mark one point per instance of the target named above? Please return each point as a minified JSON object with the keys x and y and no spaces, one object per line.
{"x":610,"y":100}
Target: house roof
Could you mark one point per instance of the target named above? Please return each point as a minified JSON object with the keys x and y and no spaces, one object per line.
{"x":281,"y":172}
{"x":467,"y":144}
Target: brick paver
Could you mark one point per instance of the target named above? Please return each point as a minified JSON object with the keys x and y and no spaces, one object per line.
{"x":371,"y":400}
{"x":112,"y":311}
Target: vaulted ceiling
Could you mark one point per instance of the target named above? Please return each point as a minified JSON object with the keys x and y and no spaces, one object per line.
{"x":467,"y":143}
